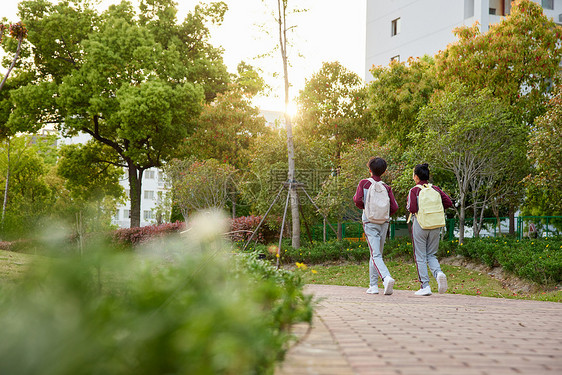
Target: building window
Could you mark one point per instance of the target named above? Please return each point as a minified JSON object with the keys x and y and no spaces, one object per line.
{"x":468,"y":8}
{"x":492,"y":11}
{"x":149,"y":194}
{"x":126,"y":214}
{"x":147,"y":215}
{"x":149,"y":175}
{"x":395,"y":58}
{"x":548,"y":4}
{"x":117,"y":215}
{"x":395,"y":27}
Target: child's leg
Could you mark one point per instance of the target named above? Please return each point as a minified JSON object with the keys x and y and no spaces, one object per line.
{"x":420,"y":252}
{"x":376,"y":264}
{"x":432,"y":247}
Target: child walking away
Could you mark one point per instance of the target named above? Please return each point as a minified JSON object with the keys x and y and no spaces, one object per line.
{"x":427,"y":204}
{"x":377,"y":201}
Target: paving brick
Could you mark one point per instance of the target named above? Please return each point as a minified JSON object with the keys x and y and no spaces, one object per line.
{"x":354,"y":333}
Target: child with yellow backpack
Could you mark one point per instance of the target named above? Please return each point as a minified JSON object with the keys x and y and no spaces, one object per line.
{"x":427,"y":204}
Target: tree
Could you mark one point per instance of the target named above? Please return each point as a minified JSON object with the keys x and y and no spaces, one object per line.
{"x":284,"y":28}
{"x":19,"y":33}
{"x":134,"y":81}
{"x":225,"y":129}
{"x":29,"y":196}
{"x":268,"y":169}
{"x":88,"y":177}
{"x":517,"y":59}
{"x":474,"y":136}
{"x":544,"y":185}
{"x":332,"y":109}
{"x":199,"y":185}
{"x":396,"y":94}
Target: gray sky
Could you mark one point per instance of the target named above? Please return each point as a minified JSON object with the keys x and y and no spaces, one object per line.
{"x":331,"y":30}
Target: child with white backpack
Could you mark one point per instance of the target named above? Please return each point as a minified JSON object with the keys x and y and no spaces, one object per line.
{"x":377,"y":201}
{"x":427,"y":204}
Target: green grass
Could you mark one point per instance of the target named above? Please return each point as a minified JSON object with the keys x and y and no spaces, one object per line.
{"x":460,"y":280}
{"x":13,"y":265}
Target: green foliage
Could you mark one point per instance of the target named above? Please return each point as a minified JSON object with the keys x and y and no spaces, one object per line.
{"x":87,"y":175}
{"x":332,"y":108}
{"x":134,"y":80}
{"x":268,"y":170}
{"x":474,"y":136}
{"x":517,"y":59}
{"x":544,"y":185}
{"x":396,"y":94}
{"x":225,"y":130}
{"x":30,"y":196}
{"x":200,"y":185}
{"x":334,"y":251}
{"x":249,"y":80}
{"x":183,"y":306}
{"x":538,"y":260}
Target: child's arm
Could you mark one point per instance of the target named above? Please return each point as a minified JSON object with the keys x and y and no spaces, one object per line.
{"x":393,"y":203}
{"x":358,"y":197}
{"x":412,"y":204}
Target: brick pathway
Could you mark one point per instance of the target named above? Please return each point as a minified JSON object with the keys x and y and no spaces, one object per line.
{"x":356,"y":333}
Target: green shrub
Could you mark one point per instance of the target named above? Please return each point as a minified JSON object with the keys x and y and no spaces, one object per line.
{"x":187,"y":306}
{"x":333,"y":251}
{"x":538,"y":260}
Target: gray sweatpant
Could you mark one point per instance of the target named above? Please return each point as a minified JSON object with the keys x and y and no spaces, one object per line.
{"x":426,"y":244}
{"x":376,"y":235}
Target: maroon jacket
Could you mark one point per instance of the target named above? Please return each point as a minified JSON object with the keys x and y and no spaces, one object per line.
{"x":364,"y":186}
{"x":412,"y":205}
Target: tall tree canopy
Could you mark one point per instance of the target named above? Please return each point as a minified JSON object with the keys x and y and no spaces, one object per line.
{"x":517,"y":59}
{"x":544,"y":185}
{"x":474,"y":136}
{"x":332,"y":108}
{"x":396,"y":94}
{"x":134,"y":80}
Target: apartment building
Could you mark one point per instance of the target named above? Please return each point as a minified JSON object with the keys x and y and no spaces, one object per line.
{"x":399,"y":29}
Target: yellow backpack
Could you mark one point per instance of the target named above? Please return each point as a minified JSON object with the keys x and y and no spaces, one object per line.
{"x":431,"y":213}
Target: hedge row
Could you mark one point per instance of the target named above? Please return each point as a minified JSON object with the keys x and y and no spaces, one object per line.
{"x":199,"y":312}
{"x":538,"y":260}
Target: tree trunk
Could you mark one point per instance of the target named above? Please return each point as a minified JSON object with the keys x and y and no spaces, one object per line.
{"x":324,"y":230}
{"x":296,"y":242}
{"x":5,"y":203}
{"x":511,"y":220}
{"x":462,"y":214}
{"x":20,"y":40}
{"x":475,"y":231}
{"x":135,"y":187}
{"x":340,"y":230}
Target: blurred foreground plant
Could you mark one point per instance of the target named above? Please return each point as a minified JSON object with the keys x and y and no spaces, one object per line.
{"x":181,"y":306}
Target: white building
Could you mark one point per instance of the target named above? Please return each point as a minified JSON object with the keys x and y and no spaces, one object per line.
{"x":399,"y":29}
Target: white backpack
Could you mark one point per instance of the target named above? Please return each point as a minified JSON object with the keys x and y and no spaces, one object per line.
{"x":377,"y":203}
{"x":430,"y":213}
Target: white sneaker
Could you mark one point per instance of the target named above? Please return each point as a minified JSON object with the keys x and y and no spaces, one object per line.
{"x":424,"y":291}
{"x":441,"y":282}
{"x":388,"y":285}
{"x":373,"y":289}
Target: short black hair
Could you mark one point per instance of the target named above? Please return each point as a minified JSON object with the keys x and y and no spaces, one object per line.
{"x":377,"y":166}
{"x":422,"y":171}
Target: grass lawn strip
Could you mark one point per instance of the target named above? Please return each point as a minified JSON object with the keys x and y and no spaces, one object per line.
{"x":461,"y":280}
